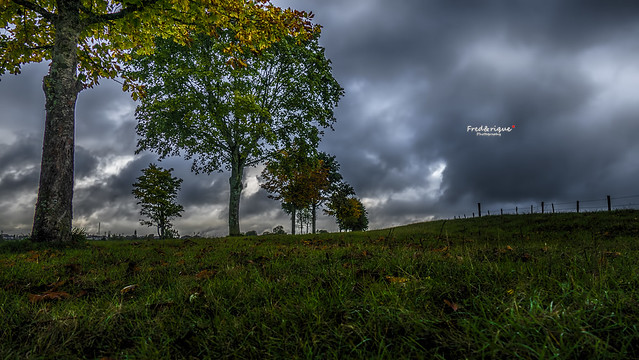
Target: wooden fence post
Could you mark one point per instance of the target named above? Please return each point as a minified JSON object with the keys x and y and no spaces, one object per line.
{"x":516,"y":211}
{"x":577,"y":206}
{"x":608,"y":197}
{"x":542,"y":207}
{"x":553,"y":207}
{"x":479,"y":209}
{"x":531,"y":209}
{"x":502,"y":211}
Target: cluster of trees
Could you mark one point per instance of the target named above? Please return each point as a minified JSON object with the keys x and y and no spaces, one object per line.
{"x":301,"y":181}
{"x":304,"y":180}
{"x":225,"y":83}
{"x":229,"y":117}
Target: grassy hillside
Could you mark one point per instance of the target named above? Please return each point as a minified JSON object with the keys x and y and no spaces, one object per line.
{"x":514,"y":286}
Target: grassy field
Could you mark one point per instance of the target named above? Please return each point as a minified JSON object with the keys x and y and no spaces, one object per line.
{"x":515,"y":286}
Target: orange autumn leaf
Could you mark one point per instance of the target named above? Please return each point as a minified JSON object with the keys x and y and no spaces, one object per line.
{"x":57,"y":295}
{"x":205,"y":274}
{"x":451,"y":304}
{"x":34,"y":257}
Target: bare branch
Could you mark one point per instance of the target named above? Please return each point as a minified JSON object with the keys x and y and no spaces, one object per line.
{"x":42,"y":47}
{"x":37,"y":8}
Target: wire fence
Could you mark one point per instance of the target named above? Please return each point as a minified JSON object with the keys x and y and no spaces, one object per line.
{"x":544,"y":207}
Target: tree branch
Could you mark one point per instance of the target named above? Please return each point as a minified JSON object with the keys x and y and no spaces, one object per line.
{"x":37,"y":8}
{"x":99,"y":18}
{"x":42,"y":47}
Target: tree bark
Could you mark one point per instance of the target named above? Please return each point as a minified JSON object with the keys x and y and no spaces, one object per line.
{"x":293,"y":221}
{"x":235,"y":181}
{"x":314,"y":214}
{"x":54,"y":210}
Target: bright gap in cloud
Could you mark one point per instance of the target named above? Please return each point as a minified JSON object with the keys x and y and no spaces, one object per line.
{"x":109,"y":166}
{"x":430,"y":191}
{"x":499,"y":54}
{"x":616,"y":77}
{"x":251,"y":182}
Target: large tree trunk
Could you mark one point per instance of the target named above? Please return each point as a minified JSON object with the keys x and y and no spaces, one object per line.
{"x":54,"y":211}
{"x":237,"y":171}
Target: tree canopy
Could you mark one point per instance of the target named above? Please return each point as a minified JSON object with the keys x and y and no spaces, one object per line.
{"x":157,"y":191}
{"x":301,"y":178}
{"x":349,"y":212}
{"x":109,"y":32}
{"x":86,"y":40}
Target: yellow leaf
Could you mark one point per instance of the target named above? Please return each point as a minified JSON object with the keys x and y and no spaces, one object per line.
{"x":394,"y":279}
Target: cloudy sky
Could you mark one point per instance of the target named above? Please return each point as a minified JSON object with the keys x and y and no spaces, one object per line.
{"x":417,"y":75}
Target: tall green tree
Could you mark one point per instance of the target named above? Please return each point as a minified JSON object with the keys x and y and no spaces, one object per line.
{"x":86,"y":40}
{"x":157,"y":191}
{"x":229,"y":118}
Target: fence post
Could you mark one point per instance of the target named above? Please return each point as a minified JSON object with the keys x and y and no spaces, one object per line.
{"x":502,"y":211}
{"x":473,"y":214}
{"x":488,"y":212}
{"x":479,"y":209}
{"x":516,"y":211}
{"x":577,"y":206}
{"x":531,"y":209}
{"x":553,"y":207}
{"x":608,"y":197}
{"x":542,"y":207}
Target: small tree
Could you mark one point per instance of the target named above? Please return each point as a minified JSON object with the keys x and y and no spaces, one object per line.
{"x":279,"y":230}
{"x":157,"y":191}
{"x":304,"y":218}
{"x":348,"y":210}
{"x":354,"y":216}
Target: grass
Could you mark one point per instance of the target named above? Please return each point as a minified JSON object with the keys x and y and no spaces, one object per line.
{"x":516,"y":286}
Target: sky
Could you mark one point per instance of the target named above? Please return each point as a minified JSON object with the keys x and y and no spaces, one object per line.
{"x":447,"y":103}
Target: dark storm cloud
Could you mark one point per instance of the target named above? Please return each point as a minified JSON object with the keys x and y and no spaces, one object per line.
{"x":203,"y":189}
{"x":416,"y":74}
{"x":105,"y":119}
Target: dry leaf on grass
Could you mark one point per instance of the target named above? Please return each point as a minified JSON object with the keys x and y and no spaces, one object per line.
{"x":49,"y":295}
{"x":129,"y":288}
{"x":205,"y":274}
{"x":397,"y":280}
{"x":451,"y":304}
